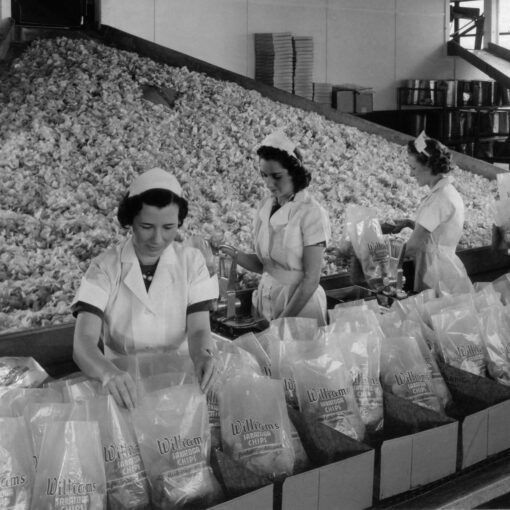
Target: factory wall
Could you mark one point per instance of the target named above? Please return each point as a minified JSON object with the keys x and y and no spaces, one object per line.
{"x":374,"y":43}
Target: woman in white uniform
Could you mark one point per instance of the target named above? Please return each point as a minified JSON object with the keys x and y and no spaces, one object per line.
{"x":291,"y":231}
{"x":146,"y":294}
{"x":439,"y":221}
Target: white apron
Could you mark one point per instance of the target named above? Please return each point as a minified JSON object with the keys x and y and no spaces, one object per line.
{"x":135,"y":320}
{"x":437,"y":267}
{"x":279,"y":241}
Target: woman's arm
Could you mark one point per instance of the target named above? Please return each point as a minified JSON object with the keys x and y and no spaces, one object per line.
{"x":93,"y":363}
{"x":417,"y":241}
{"x":249,"y":261}
{"x":312,"y":262}
{"x":202,"y":349}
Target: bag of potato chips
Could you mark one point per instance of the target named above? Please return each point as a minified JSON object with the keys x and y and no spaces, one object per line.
{"x":70,"y":472}
{"x":39,"y":415}
{"x":126,"y":480}
{"x":16,"y":465}
{"x":255,"y":425}
{"x":325,"y":391}
{"x":405,"y":373}
{"x":460,"y":340}
{"x":361,"y":351}
{"x":368,"y":242}
{"x":495,"y":327}
{"x":173,"y":433}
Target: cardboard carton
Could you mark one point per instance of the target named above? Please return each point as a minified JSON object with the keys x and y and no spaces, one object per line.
{"x":419,"y":447}
{"x":482,"y":407}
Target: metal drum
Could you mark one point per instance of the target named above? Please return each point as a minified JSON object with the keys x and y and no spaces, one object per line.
{"x":489,"y":93}
{"x":447,"y":93}
{"x":463,"y":93}
{"x":477,"y":92}
{"x":504,"y":96}
{"x":413,"y":94}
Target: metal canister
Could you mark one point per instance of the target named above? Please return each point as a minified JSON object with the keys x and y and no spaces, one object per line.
{"x":489,"y":93}
{"x":504,"y":96}
{"x":446,"y":93}
{"x":463,"y":93}
{"x":504,"y":123}
{"x":413,"y":92}
{"x":449,"y":125}
{"x":476,"y":92}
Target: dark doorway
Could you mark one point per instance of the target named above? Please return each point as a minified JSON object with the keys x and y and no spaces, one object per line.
{"x":50,"y":13}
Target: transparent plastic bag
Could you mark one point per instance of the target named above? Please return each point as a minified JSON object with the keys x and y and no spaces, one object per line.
{"x":405,"y":373}
{"x":361,"y":352}
{"x":13,"y":401}
{"x":291,"y":331}
{"x":502,"y":286}
{"x":413,"y":329}
{"x":251,"y":344}
{"x":126,"y":480}
{"x":21,"y":372}
{"x":39,"y":415}
{"x":460,"y":340}
{"x":325,"y":391}
{"x":255,"y":425}
{"x":495,"y":327}
{"x":70,"y":472}
{"x":16,"y":465}
{"x":368,"y":242}
{"x":173,"y":433}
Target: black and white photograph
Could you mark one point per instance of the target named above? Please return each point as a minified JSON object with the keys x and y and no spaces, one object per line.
{"x":254,"y":254}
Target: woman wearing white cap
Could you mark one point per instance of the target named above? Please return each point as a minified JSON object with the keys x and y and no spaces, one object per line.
{"x":146,"y":294}
{"x":439,"y":221}
{"x":291,"y":231}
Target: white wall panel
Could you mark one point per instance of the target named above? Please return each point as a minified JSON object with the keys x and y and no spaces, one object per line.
{"x":420,"y":43}
{"x":214,"y":31}
{"x":133,"y":16}
{"x":5,"y":9}
{"x":301,"y":17}
{"x":361,"y":50}
{"x":421,"y":7}
{"x":363,"y":5}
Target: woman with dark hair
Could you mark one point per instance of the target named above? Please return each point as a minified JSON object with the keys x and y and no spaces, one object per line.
{"x":439,"y":221}
{"x":146,"y":294}
{"x":291,"y":231}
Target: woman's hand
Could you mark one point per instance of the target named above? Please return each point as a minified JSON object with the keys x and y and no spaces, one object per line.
{"x":206,"y":369}
{"x":396,"y":226}
{"x":121,"y":387}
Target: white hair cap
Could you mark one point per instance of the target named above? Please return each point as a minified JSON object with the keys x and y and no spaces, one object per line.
{"x":278,"y":140}
{"x":156,"y":178}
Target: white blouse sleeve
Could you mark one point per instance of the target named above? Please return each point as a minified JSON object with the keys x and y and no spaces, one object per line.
{"x":315,"y":226}
{"x":434,"y":212}
{"x":201,"y":286}
{"x":95,"y":287}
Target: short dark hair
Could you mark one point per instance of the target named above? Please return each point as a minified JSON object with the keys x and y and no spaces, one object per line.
{"x":438,"y":157}
{"x":300,"y":176}
{"x":129,"y":207}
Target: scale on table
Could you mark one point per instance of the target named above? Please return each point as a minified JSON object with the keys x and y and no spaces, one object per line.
{"x":233,"y":316}
{"x":391,"y":287}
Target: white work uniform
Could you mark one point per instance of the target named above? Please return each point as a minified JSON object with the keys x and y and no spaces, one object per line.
{"x":279,"y":241}
{"x":137,"y":320}
{"x":437,"y":266}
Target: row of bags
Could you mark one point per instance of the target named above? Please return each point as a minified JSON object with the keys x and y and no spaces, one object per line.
{"x":92,"y":454}
{"x":334,"y":375}
{"x":468,"y":331}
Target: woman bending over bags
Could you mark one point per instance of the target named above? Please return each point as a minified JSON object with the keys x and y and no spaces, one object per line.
{"x":147,"y":294}
{"x":439,"y":221}
{"x":291,"y":231}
